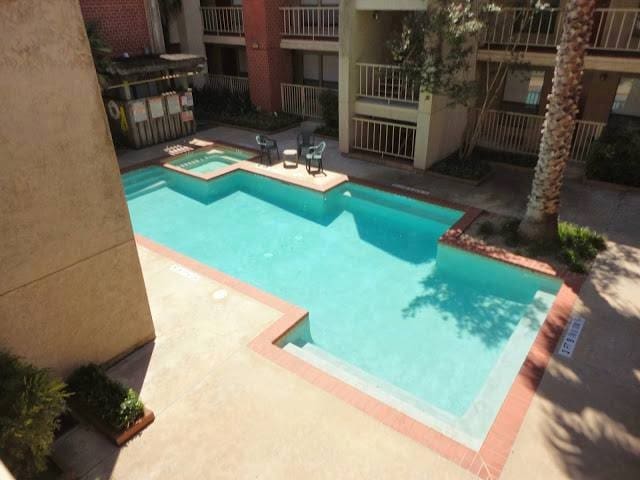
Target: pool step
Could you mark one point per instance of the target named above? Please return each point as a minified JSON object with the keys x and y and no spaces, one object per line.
{"x":139,"y":175}
{"x":363,"y":381}
{"x":144,"y":188}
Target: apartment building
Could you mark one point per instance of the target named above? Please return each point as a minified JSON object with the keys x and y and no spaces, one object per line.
{"x":286,"y":52}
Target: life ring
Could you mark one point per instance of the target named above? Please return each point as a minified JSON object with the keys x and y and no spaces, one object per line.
{"x":113,"y":109}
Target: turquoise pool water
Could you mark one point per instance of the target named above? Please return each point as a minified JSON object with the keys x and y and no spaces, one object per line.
{"x":212,"y":159}
{"x":434,"y":330}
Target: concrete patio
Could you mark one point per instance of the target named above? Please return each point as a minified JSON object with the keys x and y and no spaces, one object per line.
{"x":223,"y":411}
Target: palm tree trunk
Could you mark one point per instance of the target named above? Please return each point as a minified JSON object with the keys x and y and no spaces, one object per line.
{"x":541,"y":219}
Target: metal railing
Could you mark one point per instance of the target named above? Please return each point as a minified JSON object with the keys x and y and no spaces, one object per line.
{"x":614,"y":29}
{"x":223,"y":20}
{"x":385,"y":138}
{"x":301,"y":100}
{"x":227,"y":82}
{"x":521,"y":133}
{"x":386,"y":82}
{"x":310,"y":22}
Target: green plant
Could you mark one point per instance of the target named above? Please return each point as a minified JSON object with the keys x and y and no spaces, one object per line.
{"x":330,"y":109}
{"x":31,"y":402}
{"x":100,"y":51}
{"x":117,"y":406}
{"x":615,"y":157}
{"x":486,"y":229}
{"x":579,"y":245}
{"x":509,"y":231}
{"x":466,"y":168}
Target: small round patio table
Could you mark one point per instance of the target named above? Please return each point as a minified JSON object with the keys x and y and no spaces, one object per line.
{"x":290,"y":155}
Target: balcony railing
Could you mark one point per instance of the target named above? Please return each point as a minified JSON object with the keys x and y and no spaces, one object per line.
{"x":521,"y":133}
{"x":614,"y":29}
{"x":389,"y":139}
{"x":301,"y":100}
{"x":386,"y":82}
{"x":223,"y":20}
{"x":228,"y":82}
{"x":310,"y":22}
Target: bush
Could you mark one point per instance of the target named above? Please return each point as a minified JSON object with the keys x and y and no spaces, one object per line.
{"x":579,"y":245}
{"x":520,"y":160}
{"x":117,"y":406}
{"x":210,"y":100}
{"x":615,"y":157}
{"x":330,"y":109}
{"x":259,"y":120}
{"x":31,"y":402}
{"x":467,"y":168}
{"x":486,"y":229}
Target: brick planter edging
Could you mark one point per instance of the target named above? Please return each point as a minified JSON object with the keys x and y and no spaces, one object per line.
{"x":118,"y":438}
{"x":488,"y":462}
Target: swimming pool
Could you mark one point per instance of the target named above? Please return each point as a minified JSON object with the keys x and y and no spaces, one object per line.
{"x":434,"y":331}
{"x":211,"y":159}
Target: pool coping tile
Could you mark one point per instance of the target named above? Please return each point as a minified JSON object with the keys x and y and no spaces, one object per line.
{"x":489,"y":461}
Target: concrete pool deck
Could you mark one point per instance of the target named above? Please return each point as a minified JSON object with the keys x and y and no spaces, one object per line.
{"x":225,"y":412}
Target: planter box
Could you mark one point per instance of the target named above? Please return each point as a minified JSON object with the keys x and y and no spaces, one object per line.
{"x":119,"y":438}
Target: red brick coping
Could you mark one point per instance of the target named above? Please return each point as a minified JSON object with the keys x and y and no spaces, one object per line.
{"x":489,"y":460}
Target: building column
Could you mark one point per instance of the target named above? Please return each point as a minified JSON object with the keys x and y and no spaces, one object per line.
{"x":155,"y":26}
{"x":439,"y":130}
{"x":346,"y":75}
{"x":268,"y":65}
{"x":190,"y":28}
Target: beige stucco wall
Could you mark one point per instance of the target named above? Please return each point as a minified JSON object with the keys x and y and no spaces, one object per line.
{"x":71,"y":288}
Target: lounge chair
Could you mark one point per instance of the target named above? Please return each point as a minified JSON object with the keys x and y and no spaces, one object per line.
{"x":266,"y":145}
{"x":314,"y":155}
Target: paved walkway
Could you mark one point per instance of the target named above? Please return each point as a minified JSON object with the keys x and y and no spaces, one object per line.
{"x":226,"y":412}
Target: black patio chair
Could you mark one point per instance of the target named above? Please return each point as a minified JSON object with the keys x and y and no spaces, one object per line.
{"x":267,"y":145}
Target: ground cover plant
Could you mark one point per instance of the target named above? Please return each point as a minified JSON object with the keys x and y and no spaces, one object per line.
{"x":93,"y":392}
{"x":615,"y":157}
{"x":31,"y":403}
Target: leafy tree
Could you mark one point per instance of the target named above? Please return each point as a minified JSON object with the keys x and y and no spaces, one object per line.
{"x":541,"y":219}
{"x":436,"y":50}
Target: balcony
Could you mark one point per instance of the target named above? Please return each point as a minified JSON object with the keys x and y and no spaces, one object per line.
{"x":302,"y":100}
{"x":386,"y":83}
{"x":304,"y":26}
{"x":615,"y":30}
{"x":387,"y":139}
{"x":521,"y":133}
{"x":231,"y":83}
{"x":223,"y":21}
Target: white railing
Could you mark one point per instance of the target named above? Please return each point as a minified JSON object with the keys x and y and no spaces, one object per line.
{"x":301,"y":100}
{"x":228,"y":82}
{"x":521,"y":133}
{"x":385,"y":138}
{"x":223,"y":20}
{"x":614,"y":29}
{"x":313,"y":22}
{"x":386,"y":82}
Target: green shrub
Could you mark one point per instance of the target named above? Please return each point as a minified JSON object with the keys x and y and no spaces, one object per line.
{"x":31,"y":402}
{"x":486,"y":228}
{"x":615,"y":157}
{"x":509,"y":230}
{"x":468,"y":168}
{"x":579,"y":245}
{"x":117,"y":406}
{"x":330,"y":109}
{"x":210,"y":100}
{"x":259,"y":120}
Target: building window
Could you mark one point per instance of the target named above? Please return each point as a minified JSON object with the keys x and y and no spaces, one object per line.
{"x":627,"y":101}
{"x":523,"y":87}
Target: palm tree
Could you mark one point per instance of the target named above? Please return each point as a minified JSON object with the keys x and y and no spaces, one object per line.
{"x":540,"y":222}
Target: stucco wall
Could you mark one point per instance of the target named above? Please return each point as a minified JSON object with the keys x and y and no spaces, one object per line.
{"x":71,"y":288}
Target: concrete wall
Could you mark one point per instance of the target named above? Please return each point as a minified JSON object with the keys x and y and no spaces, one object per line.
{"x":71,"y":289}
{"x":122,"y":23}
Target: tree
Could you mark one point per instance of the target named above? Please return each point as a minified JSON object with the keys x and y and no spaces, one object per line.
{"x":436,"y":51}
{"x":168,"y":8}
{"x":100,"y":51}
{"x":541,"y":219}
